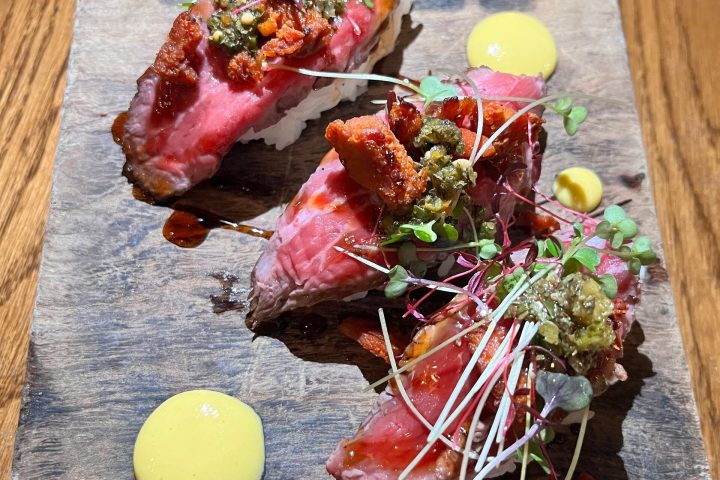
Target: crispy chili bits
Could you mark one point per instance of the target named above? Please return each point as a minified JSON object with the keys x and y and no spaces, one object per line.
{"x":375,"y":159}
{"x":173,"y":62}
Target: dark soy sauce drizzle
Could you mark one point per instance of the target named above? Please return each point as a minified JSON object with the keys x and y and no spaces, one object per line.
{"x":118,"y":127}
{"x":189,"y":229}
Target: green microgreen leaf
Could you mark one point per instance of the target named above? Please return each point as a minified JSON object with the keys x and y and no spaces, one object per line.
{"x":571,"y":127}
{"x":641,"y":244}
{"x":634,"y":265}
{"x":397,"y":284}
{"x":563,"y":105}
{"x":552,"y":247}
{"x":617,"y":239}
{"x":609,"y":285}
{"x":508,"y":283}
{"x":604,"y":229}
{"x":643,"y":251}
{"x":433,"y":89}
{"x":450,"y":232}
{"x":628,"y":228}
{"x":394,"y":238}
{"x":423,"y":231}
{"x":588,"y":257}
{"x":578,"y":114}
{"x":407,"y":253}
{"x":560,"y":390}
{"x":187,"y":4}
{"x":573,"y":119}
{"x":578,"y":229}
{"x":541,"y":248}
{"x":369,"y":4}
{"x":614,"y":214}
{"x":488,"y":249}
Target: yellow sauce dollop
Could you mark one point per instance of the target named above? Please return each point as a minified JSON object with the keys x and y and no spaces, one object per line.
{"x":512,"y":42}
{"x":578,"y":188}
{"x":200,"y":435}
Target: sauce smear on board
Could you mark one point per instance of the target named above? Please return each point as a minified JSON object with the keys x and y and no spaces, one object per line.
{"x":188,"y":230}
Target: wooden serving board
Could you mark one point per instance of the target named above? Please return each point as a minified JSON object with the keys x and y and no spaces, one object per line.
{"x":124,"y":318}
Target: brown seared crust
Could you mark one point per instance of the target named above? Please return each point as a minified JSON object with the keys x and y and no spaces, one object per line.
{"x":375,"y":159}
{"x":173,"y":60}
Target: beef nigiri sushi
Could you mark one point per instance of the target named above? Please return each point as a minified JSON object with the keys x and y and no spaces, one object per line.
{"x":462,"y":403}
{"x":404,"y":174}
{"x":219,"y":78}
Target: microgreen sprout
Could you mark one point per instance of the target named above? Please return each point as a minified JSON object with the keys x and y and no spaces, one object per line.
{"x":585,"y":256}
{"x":432,"y":89}
{"x":559,"y":391}
{"x":187,"y":4}
{"x":616,"y":226}
{"x":369,"y":4}
{"x":422,"y":231}
{"x":397,"y":283}
{"x":562,"y":391}
{"x":608,"y":284}
{"x":573,"y":115}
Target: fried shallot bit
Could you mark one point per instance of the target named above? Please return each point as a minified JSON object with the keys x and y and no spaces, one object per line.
{"x":375,"y":159}
{"x":463,"y":112}
{"x":495,"y":115}
{"x":173,"y":60}
{"x":540,"y":225}
{"x":244,"y":68}
{"x":405,"y":122}
{"x":368,"y":334}
{"x":297,"y":33}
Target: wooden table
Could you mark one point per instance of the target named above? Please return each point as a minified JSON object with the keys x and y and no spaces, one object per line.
{"x":676,"y":73}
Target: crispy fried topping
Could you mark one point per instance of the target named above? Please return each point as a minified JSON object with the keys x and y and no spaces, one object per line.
{"x":405,"y":122}
{"x":173,"y":62}
{"x":297,"y":33}
{"x":369,"y":335}
{"x":375,"y":159}
{"x":244,"y":68}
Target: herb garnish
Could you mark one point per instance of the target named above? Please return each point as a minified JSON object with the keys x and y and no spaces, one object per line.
{"x":544,"y":332}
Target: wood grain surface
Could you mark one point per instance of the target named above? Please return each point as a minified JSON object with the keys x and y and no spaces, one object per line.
{"x":674,"y":75}
{"x":34,"y":44}
{"x":677,"y":88}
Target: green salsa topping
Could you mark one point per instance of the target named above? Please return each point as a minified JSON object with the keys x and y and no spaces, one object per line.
{"x":439,"y":132}
{"x":237,"y":31}
{"x":439,"y":141}
{"x":329,"y":9}
{"x":573,"y":315}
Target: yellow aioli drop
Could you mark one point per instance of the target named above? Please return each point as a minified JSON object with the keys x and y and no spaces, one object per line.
{"x":200,"y":435}
{"x":512,"y":42}
{"x":578,"y":188}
